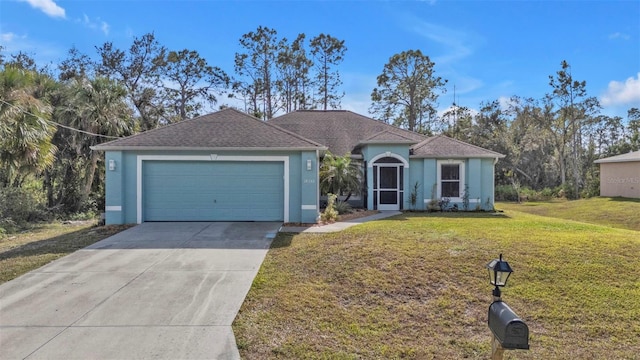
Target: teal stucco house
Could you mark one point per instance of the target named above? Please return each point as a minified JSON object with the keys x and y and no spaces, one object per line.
{"x":230,"y":166}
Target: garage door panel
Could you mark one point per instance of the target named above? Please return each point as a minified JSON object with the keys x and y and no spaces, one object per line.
{"x":213,"y":191}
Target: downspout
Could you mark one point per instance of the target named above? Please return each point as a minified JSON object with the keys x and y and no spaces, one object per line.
{"x":493,"y":183}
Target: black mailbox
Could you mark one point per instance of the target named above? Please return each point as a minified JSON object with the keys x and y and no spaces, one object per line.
{"x":511,"y":332}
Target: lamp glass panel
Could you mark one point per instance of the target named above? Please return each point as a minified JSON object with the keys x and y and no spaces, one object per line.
{"x":501,"y":278}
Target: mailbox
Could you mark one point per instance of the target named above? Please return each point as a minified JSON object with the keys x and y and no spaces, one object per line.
{"x":511,"y":332}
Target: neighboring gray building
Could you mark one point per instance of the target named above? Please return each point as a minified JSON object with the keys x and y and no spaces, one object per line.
{"x":620,"y":175}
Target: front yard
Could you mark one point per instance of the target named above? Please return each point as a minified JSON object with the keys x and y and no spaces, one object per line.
{"x":415,"y":286}
{"x":28,"y":250}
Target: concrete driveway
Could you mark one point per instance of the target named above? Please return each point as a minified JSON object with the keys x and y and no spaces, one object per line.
{"x":158,"y":290}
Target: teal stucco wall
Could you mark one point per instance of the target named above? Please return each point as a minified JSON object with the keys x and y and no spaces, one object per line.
{"x":122,"y":203}
{"x":478,"y":178}
{"x":478,"y":182}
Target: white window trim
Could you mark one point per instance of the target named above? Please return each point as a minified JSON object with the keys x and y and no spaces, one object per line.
{"x":212,"y":157}
{"x":439,"y":178}
{"x":404,"y":162}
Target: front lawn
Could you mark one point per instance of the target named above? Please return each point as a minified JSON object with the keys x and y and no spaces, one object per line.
{"x":415,"y":286}
{"x":31,"y":249}
{"x":616,"y":212}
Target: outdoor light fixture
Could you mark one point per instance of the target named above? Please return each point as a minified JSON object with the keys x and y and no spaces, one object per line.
{"x":508,"y":331}
{"x":112,"y":165}
{"x":308,"y":164}
{"x":499,"y":271}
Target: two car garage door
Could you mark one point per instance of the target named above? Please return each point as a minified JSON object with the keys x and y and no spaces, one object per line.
{"x":212,"y":191}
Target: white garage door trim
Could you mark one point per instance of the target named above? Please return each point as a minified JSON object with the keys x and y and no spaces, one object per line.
{"x":212,"y":157}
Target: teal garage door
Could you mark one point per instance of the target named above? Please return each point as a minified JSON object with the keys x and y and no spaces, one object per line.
{"x":212,"y":191}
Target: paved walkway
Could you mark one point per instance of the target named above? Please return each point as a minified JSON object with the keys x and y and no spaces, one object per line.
{"x":155,"y":291}
{"x":338,"y":226}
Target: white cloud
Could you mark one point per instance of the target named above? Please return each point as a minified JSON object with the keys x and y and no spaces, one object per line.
{"x":96,"y":24}
{"x":619,"y":93}
{"x":7,"y":37}
{"x":506,"y":102}
{"x":49,"y":7}
{"x":13,"y":42}
{"x":619,"y":35}
{"x":104,"y":27}
{"x":457,"y":44}
{"x":42,"y":52}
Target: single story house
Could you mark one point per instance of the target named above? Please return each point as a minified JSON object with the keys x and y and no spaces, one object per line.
{"x":620,"y":175}
{"x":230,"y":166}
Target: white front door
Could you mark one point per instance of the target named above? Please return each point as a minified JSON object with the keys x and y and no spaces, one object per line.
{"x":388,"y":187}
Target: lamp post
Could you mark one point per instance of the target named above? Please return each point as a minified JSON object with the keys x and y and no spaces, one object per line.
{"x":499,"y":272}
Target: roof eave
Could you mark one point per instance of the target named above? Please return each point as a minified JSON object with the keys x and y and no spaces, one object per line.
{"x":387,"y":142}
{"x":604,"y":161}
{"x":488,"y":156}
{"x":187,"y":148}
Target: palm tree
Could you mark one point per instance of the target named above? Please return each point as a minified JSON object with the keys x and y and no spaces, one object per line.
{"x":339,"y":175}
{"x":95,"y":106}
{"x":25,"y":130}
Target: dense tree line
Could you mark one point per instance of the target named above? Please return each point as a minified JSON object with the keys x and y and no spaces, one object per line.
{"x":51,"y":116}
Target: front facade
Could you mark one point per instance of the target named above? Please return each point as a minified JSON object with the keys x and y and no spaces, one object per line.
{"x":229,"y":166}
{"x":620,"y":175}
{"x":226,"y":166}
{"x":403,"y":170}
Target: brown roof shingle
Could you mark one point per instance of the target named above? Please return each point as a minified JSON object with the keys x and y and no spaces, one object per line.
{"x":341,"y":130}
{"x":228,"y":128}
{"x":441,"y":146}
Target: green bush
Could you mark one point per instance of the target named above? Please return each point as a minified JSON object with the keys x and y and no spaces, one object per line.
{"x":330,"y":214}
{"x":343,"y":207}
{"x":20,"y":206}
{"x":506,"y":193}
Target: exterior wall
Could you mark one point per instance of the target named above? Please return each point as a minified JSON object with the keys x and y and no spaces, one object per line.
{"x":417,"y":175}
{"x":122,"y":183}
{"x":620,"y":179}
{"x":114,"y":213}
{"x":307,"y":177}
{"x":478,"y":178}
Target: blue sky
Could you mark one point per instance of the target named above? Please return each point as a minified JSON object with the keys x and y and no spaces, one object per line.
{"x":488,"y":49}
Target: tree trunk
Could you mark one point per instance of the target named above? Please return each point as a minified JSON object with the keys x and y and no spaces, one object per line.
{"x":90,"y":175}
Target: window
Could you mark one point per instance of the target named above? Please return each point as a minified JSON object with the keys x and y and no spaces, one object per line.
{"x":450,"y":179}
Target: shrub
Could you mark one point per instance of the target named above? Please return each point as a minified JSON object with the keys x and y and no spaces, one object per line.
{"x":413,"y":196}
{"x":330,"y":214}
{"x":20,"y":206}
{"x":343,"y":207}
{"x":506,"y":193}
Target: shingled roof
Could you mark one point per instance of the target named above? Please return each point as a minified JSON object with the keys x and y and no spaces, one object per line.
{"x":342,"y":130}
{"x":445,"y":147}
{"x":225,"y":129}
{"x":628,"y":157}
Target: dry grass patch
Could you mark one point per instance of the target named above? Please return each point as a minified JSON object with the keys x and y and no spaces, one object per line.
{"x":21,"y":253}
{"x":415,"y":286}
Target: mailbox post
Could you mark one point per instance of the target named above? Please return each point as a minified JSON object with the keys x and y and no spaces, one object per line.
{"x":508,"y":331}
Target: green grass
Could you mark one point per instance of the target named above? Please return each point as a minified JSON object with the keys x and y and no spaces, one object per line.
{"x":615,"y":212}
{"x":29,"y":250}
{"x":415,"y":286}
